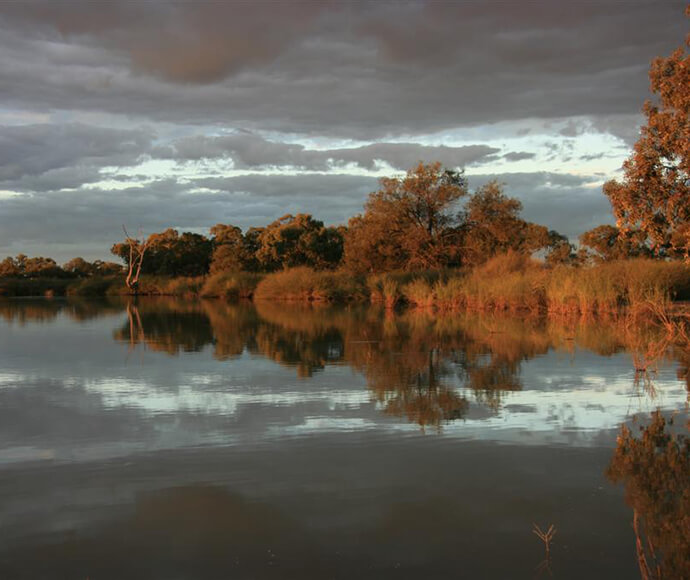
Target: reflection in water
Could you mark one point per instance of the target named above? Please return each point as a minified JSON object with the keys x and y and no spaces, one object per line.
{"x":202,"y":459}
{"x":22,"y":311}
{"x":177,"y":327}
{"x":418,"y":364}
{"x":655,"y":470}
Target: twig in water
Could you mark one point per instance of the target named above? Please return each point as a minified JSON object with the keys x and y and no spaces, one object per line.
{"x":545,"y":536}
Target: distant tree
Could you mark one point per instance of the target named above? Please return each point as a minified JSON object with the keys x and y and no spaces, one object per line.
{"x":560,"y":251}
{"x":10,"y":268}
{"x":40,"y":267}
{"x":101,"y":268}
{"x":192,"y":255}
{"x":296,"y":241}
{"x":654,"y":195}
{"x":229,"y":252}
{"x":492,"y":225}
{"x":132,"y":251}
{"x":409,"y":223}
{"x":78,"y":267}
{"x":167,"y":254}
{"x":607,"y":242}
{"x":252,"y":243}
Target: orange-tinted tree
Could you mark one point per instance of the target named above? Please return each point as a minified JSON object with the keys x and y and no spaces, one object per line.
{"x":409,"y":223}
{"x":655,"y":469}
{"x":298,"y":241}
{"x":24,"y":267}
{"x":654,"y":195}
{"x":132,"y":252}
{"x":607,"y":242}
{"x":229,"y":253}
{"x":492,"y":225}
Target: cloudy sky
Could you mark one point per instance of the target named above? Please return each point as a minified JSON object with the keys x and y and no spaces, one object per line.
{"x":186,"y":114}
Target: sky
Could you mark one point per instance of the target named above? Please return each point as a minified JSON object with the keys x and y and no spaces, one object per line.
{"x":181,"y":114}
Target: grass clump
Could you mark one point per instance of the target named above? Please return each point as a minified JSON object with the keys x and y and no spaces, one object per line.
{"x":231,"y":285}
{"x":303,"y":283}
{"x":510,"y":281}
{"x":611,"y":286}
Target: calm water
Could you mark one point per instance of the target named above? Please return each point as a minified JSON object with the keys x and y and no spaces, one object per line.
{"x":169,"y":439}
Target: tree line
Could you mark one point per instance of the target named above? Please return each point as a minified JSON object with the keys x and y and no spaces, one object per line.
{"x":424,"y":220}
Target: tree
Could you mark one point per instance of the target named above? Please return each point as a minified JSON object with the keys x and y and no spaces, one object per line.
{"x":298,"y":241}
{"x":228,"y":249}
{"x":654,"y":195}
{"x":654,"y":469}
{"x":78,"y":267}
{"x":409,"y":223}
{"x":10,"y":267}
{"x":132,"y":251}
{"x":492,"y":225}
{"x":167,"y":254}
{"x":610,"y":243}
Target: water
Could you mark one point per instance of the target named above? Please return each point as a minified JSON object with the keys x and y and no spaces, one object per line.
{"x":172,"y":439}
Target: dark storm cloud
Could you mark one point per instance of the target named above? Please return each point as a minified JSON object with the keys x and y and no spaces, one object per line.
{"x":53,"y":156}
{"x":249,"y":150}
{"x":346,"y":69}
{"x":88,"y":222}
{"x":183,"y":42}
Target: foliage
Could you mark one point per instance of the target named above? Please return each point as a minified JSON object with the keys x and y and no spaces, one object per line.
{"x":297,"y":241}
{"x":229,"y":251}
{"x":654,"y":196}
{"x":612,"y":285}
{"x":655,"y":470}
{"x":303,"y":283}
{"x":93,"y":286}
{"x":409,"y":223}
{"x":610,"y":243}
{"x":38,"y":267}
{"x":24,"y":267}
{"x":231,"y":285}
{"x":492,"y":226}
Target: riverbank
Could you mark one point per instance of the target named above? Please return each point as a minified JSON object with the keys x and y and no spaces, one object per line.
{"x":511,"y":282}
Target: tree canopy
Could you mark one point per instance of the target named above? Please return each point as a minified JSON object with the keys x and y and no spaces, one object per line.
{"x":654,"y":195}
{"x":409,"y":223}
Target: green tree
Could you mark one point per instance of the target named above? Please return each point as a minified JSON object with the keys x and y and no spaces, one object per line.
{"x":168,"y":253}
{"x":654,"y":195}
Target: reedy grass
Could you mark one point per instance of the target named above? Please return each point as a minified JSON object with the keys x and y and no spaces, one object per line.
{"x":230,"y":285}
{"x":303,"y":283}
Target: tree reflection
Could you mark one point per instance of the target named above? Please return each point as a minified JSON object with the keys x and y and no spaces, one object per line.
{"x":25,"y":311}
{"x":422,"y":365}
{"x":655,"y":470}
{"x":166,"y":326}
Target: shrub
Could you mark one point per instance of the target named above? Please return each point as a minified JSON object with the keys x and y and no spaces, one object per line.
{"x":231,"y":285}
{"x":305,"y":284}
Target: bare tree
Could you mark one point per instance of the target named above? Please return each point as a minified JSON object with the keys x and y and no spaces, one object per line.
{"x":137,"y":249}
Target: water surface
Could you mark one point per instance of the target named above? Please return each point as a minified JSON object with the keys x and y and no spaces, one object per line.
{"x":180,"y":439}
